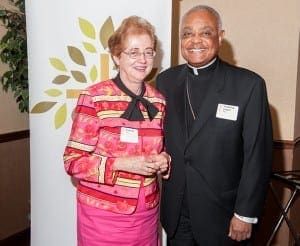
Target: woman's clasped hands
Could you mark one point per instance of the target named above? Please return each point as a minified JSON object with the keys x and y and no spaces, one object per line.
{"x":147,"y":165}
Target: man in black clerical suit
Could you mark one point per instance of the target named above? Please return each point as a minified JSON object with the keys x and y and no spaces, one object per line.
{"x":218,"y":132}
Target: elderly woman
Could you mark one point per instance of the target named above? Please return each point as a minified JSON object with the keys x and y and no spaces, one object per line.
{"x":115,"y":148}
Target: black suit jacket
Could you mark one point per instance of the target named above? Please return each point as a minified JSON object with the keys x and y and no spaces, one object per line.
{"x":224,"y":165}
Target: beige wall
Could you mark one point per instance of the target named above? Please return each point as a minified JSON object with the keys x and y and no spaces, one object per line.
{"x":260,"y":35}
{"x":297,"y":118}
{"x":14,"y":162}
{"x":11,"y":119}
{"x":264,"y":37}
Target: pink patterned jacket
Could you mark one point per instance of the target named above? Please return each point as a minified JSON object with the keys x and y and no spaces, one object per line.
{"x":94,"y":143}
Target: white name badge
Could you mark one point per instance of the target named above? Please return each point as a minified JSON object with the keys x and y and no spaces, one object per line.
{"x":227,"y":112}
{"x":129,"y":135}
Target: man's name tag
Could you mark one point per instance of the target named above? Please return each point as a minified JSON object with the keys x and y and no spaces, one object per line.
{"x":129,"y":135}
{"x":227,"y":112}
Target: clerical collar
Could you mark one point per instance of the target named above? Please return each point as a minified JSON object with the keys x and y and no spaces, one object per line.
{"x":195,"y":69}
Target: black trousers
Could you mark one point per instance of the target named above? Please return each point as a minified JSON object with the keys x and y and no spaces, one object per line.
{"x":184,"y":234}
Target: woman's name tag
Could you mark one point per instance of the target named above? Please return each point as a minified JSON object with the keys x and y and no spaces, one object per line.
{"x":129,"y":135}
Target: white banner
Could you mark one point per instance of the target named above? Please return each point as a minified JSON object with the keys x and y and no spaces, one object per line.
{"x":66,"y":52}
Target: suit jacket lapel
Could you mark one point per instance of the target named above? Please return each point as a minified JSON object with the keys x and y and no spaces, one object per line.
{"x":208,"y":108}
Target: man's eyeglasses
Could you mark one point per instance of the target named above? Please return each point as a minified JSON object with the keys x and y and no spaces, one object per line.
{"x":135,"y":53}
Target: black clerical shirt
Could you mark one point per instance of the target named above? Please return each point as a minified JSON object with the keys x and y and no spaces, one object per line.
{"x":197,"y":86}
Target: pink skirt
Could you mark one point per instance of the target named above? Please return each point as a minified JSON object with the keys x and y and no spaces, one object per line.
{"x":97,"y":227}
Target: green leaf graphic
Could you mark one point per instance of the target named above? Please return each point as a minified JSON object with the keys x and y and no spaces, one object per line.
{"x":76,"y":55}
{"x":61,"y":79}
{"x":53,"y":92}
{"x":106,"y":31}
{"x":87,"y":28}
{"x":79,"y":76}
{"x":58,"y":64}
{"x":60,"y":116}
{"x":89,"y":47}
{"x":42,"y":107}
{"x":93,"y":73}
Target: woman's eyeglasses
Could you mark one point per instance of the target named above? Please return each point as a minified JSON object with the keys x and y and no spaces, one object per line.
{"x":135,"y":53}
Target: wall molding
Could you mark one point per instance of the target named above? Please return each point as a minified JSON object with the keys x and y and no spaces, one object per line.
{"x":13,"y":136}
{"x":19,"y":238}
{"x":287,"y":144}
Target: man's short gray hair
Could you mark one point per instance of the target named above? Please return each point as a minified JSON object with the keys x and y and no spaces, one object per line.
{"x":204,"y":8}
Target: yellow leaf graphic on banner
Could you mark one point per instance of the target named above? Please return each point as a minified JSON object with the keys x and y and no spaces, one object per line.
{"x":106,"y":31}
{"x":76,"y":55}
{"x":88,"y":73}
{"x":73,"y":93}
{"x":53,"y":92}
{"x":60,"y":79}
{"x":87,"y":28}
{"x":79,"y":76}
{"x":89,"y":47}
{"x":104,"y":66}
{"x":42,"y":107}
{"x":93,"y":73}
{"x":60,"y":116}
{"x":57,"y":63}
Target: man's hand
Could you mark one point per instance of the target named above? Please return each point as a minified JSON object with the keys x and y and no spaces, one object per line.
{"x":239,"y":230}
